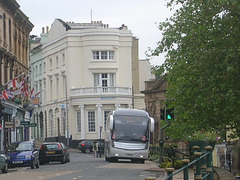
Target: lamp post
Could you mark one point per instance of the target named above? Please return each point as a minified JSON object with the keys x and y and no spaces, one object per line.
{"x":66,"y":108}
{"x":100,"y":142}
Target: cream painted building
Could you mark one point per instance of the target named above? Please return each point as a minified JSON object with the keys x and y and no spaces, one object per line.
{"x":97,"y":62}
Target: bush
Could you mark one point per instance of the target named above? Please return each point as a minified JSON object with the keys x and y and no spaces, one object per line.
{"x":178,"y":164}
{"x":166,"y":164}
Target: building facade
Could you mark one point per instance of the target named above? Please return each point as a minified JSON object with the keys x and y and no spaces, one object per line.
{"x":85,"y":71}
{"x":14,"y":58}
{"x":155,"y":101}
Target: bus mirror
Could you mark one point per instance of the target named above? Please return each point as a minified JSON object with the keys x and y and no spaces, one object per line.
{"x":111,"y":122}
{"x":151,"y":124}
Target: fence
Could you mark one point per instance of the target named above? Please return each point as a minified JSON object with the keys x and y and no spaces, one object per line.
{"x":202,"y":164}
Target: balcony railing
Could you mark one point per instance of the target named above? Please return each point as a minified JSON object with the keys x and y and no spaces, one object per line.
{"x":83,"y":91}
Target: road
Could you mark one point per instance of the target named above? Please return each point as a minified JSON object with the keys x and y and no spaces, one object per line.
{"x":85,"y":167}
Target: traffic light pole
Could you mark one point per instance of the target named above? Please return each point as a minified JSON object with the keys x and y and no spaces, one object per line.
{"x":161,"y":142}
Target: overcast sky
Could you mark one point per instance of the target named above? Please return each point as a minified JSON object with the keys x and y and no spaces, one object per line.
{"x":141,"y":16}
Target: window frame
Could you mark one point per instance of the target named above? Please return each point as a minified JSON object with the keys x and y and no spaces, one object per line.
{"x":104,"y":55}
{"x":105,"y":115}
{"x":91,"y":120}
{"x":79,"y":124}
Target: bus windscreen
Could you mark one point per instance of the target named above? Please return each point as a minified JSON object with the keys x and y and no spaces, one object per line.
{"x":130,"y":128}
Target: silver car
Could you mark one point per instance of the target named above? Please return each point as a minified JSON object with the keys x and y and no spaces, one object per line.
{"x":3,"y":163}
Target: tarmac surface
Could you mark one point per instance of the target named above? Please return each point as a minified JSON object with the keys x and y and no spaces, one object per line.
{"x":220,"y":174}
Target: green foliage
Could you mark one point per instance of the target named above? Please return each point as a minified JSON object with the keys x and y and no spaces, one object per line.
{"x":158,"y":71}
{"x":202,"y":42}
{"x":178,"y":164}
{"x":204,"y":135}
{"x":166,"y":164}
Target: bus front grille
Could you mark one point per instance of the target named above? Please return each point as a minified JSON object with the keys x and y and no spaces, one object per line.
{"x":130,"y":146}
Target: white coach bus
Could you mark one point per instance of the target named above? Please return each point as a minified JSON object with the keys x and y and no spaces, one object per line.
{"x":128,"y":135}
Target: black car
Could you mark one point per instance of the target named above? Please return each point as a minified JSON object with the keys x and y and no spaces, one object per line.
{"x":53,"y":151}
{"x":86,"y":146}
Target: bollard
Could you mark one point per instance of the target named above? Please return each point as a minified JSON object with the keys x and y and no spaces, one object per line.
{"x":150,"y":178}
{"x":209,"y":162}
{"x":169,"y":172}
{"x":195,"y":148}
{"x":185,"y":172}
{"x":198,"y":166}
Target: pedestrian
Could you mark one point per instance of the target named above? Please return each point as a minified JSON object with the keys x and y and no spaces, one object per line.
{"x":95,"y":149}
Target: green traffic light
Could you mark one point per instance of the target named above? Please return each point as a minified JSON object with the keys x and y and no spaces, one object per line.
{"x":169,"y":117}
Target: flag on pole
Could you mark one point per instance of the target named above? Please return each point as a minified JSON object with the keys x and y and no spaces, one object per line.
{"x":36,"y":95}
{"x":31,"y":93}
{"x":16,"y":92}
{"x":21,"y":84}
{"x":6,"y":94}
{"x":1,"y":97}
{"x":25,"y":91}
{"x":13,"y":83}
{"x":35,"y":100}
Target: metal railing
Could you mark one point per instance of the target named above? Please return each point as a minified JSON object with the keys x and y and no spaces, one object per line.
{"x":202,"y":165}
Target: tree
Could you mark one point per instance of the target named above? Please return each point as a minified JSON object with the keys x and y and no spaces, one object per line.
{"x":202,"y":45}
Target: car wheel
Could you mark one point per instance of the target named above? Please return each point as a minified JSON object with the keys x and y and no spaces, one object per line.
{"x":37,"y":165}
{"x":87,"y":150}
{"x":5,"y":169}
{"x":63,"y":160}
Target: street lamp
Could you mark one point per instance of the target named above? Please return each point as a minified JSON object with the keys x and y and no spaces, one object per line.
{"x":65,"y":77}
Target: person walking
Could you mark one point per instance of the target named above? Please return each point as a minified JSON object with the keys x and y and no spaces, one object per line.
{"x":95,"y":149}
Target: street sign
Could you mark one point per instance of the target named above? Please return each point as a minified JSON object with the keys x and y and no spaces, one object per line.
{"x":32,"y":125}
{"x":62,"y":106}
{"x":9,"y":124}
{"x":25,"y":123}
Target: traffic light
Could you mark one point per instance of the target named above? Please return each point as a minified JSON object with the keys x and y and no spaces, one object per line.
{"x":162,"y":113}
{"x":1,"y":110}
{"x":170,"y":114}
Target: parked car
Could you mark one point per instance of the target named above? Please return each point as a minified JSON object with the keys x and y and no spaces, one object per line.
{"x":3,"y":163}
{"x":23,"y":154}
{"x":54,"y":151}
{"x":86,"y":146}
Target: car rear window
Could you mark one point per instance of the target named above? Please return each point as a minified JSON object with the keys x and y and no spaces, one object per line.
{"x":52,"y":146}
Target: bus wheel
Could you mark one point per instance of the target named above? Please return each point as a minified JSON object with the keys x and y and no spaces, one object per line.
{"x":113,"y":159}
{"x":134,"y":161}
{"x":106,"y":158}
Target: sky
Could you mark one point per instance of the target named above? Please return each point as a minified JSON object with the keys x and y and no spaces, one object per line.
{"x":140,"y":16}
